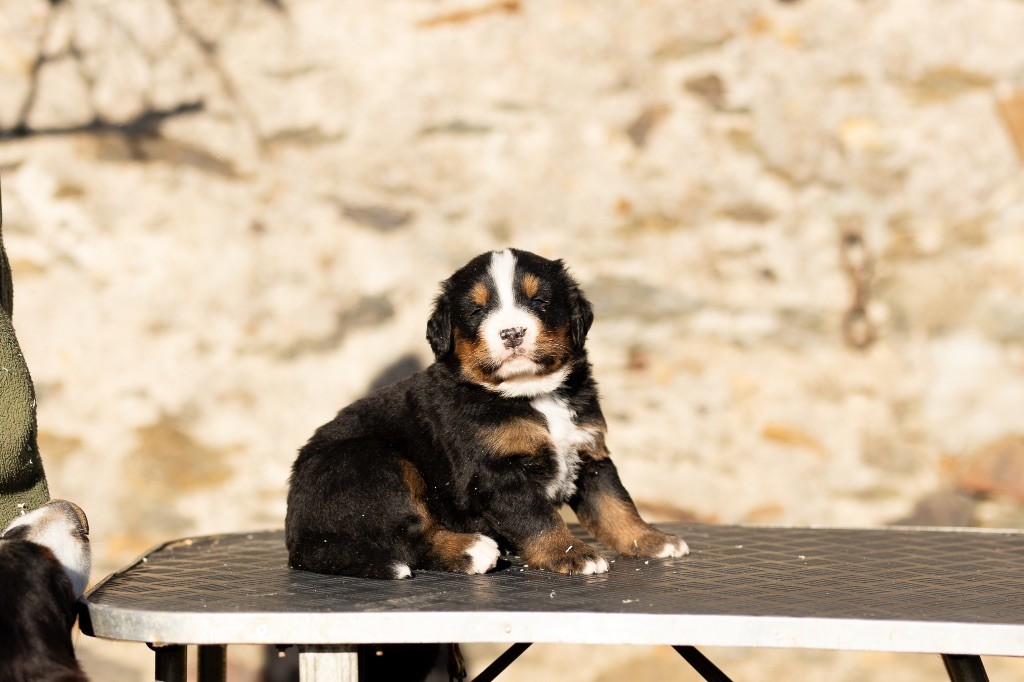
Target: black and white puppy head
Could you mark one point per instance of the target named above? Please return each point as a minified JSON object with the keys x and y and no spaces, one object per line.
{"x":61,"y":527}
{"x":511,"y":321}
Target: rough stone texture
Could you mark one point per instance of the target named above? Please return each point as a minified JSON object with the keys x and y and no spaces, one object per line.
{"x":996,"y":470}
{"x":226,"y":219}
{"x":943,"y":509}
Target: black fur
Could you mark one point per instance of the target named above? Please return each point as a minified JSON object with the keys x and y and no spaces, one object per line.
{"x":37,"y":611}
{"x":439,"y":328}
{"x":581,"y":315}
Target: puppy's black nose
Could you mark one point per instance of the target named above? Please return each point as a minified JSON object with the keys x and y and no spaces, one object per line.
{"x":512,"y":336}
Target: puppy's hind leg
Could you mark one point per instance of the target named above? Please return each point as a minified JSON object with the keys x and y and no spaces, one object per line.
{"x":444,"y":549}
{"x":460,"y":552}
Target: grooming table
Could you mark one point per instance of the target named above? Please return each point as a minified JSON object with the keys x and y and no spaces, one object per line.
{"x":955,"y":593}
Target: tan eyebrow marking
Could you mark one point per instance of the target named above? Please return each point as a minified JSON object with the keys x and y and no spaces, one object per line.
{"x":531,"y":285}
{"x":479,"y":294}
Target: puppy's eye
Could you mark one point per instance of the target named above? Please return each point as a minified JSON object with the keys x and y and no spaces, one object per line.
{"x":476,"y":312}
{"x":538,"y":303}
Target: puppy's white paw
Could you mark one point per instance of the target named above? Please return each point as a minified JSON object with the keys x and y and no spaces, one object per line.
{"x":402,"y":571}
{"x":595,"y":566}
{"x":673,"y":548}
{"x":483,"y":555}
{"x":576,"y":559}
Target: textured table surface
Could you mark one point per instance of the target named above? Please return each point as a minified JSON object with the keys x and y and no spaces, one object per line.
{"x":886,"y":590}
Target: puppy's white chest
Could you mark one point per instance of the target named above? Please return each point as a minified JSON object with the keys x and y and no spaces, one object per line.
{"x":566,"y":438}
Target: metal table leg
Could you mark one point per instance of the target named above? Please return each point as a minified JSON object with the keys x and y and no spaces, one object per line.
{"x":213,"y":663}
{"x":965,"y":668}
{"x":501,"y":662}
{"x":171,"y":663}
{"x":699,"y":662}
{"x":338,"y":663}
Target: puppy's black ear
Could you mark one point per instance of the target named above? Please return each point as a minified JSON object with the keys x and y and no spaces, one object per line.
{"x":439,"y":327}
{"x":581,"y":313}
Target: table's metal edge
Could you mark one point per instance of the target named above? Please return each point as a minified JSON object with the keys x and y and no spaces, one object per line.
{"x":557,"y":627}
{"x":84,"y":599}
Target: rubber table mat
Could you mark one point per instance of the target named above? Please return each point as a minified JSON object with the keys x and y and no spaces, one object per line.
{"x":873,"y":589}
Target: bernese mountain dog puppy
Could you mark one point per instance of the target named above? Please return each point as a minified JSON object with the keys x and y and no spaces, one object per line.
{"x":44,"y":568}
{"x":475,"y":454}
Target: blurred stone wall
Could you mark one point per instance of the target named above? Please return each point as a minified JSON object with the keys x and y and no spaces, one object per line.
{"x":800,"y":224}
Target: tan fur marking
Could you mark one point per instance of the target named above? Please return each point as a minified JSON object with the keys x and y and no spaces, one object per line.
{"x":531,"y":285}
{"x":449,"y":546}
{"x":559,"y":551}
{"x":518,"y":436}
{"x":598,"y":450}
{"x":548,"y":547}
{"x":472,"y":355}
{"x":417,"y":490}
{"x":479,"y":294}
{"x":553,"y":348}
{"x":617,"y":524}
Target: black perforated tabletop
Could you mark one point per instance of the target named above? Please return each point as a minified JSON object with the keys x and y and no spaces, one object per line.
{"x":954,"y":592}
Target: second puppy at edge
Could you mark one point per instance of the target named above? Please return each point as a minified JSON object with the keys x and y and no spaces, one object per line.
{"x":476,"y":453}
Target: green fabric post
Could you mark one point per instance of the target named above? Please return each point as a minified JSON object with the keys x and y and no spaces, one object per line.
{"x":22,"y":480}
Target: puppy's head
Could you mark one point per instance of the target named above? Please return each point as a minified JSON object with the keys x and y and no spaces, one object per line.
{"x":61,"y":527}
{"x":511,"y":321}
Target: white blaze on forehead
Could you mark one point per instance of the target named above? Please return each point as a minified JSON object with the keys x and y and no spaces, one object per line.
{"x":503,"y":272}
{"x":507,"y":315}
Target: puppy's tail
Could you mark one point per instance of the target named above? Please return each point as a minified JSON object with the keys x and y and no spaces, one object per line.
{"x":336,"y":554}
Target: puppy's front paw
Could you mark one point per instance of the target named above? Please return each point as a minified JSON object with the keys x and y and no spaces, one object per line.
{"x":577,"y":559}
{"x":653,"y":543}
{"x":674,"y":547}
{"x":482,"y":555}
